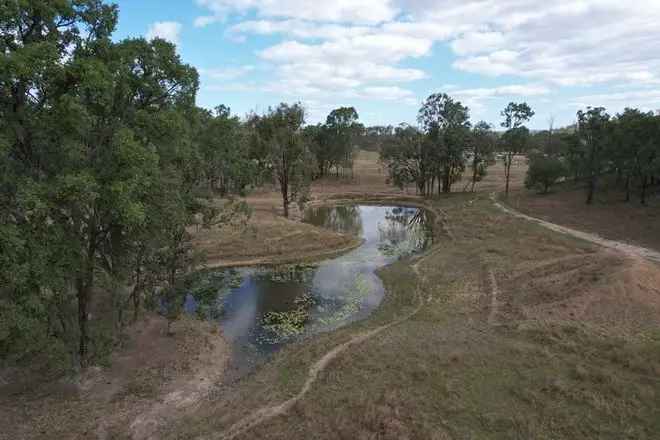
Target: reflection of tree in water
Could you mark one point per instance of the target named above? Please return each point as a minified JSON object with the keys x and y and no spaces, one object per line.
{"x":294,"y":273}
{"x":405,"y":231}
{"x":345,"y":219}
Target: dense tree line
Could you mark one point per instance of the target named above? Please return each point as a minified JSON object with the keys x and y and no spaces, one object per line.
{"x":107,"y":166}
{"x":441,"y":149}
{"x":625,"y":148}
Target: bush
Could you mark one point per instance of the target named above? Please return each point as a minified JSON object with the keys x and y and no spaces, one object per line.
{"x":544,"y":171}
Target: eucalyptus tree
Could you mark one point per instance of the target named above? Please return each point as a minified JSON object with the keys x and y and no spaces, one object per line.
{"x":40,"y":41}
{"x":634,"y":148}
{"x":447,"y":126}
{"x":94,"y":134}
{"x":516,"y":138}
{"x":223,"y":146}
{"x":316,"y":138}
{"x":278,"y":136}
{"x":333,"y":143}
{"x":342,"y":128}
{"x":482,"y":147}
{"x":406,"y":157}
{"x":593,"y":134}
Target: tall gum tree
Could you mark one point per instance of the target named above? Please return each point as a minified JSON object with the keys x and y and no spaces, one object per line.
{"x":516,"y":138}
{"x":447,"y":125}
{"x":278,"y":137}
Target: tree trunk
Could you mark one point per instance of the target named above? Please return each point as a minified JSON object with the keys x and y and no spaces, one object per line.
{"x":475,"y":166}
{"x":591,"y":189}
{"x":627,"y":187}
{"x":593,"y":174}
{"x":644,"y":185}
{"x":507,"y":173}
{"x":83,"y":299}
{"x":285,"y":198}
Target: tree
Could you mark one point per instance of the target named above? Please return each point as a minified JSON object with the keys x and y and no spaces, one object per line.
{"x":341,"y":128}
{"x":332,"y":143}
{"x":515,"y":139}
{"x":543,"y":172}
{"x":593,"y":134}
{"x":405,"y":156}
{"x":482,"y":143}
{"x":446,"y":124}
{"x":93,"y":134}
{"x":634,"y":148}
{"x":278,"y":135}
{"x":224,"y":150}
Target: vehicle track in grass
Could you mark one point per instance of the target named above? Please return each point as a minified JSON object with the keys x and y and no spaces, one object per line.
{"x":264,"y":414}
{"x":625,"y":248}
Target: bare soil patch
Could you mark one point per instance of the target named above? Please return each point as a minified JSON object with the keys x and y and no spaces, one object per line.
{"x":153,"y":380}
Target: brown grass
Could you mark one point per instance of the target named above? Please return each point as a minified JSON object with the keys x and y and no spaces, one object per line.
{"x":148,"y":383}
{"x":610,"y":216}
{"x":572,"y":352}
{"x":524,"y":333}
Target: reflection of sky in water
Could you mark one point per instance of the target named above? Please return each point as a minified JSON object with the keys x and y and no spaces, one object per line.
{"x":345,"y":287}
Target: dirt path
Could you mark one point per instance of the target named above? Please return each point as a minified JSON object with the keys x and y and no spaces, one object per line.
{"x":628,"y":249}
{"x":264,"y":414}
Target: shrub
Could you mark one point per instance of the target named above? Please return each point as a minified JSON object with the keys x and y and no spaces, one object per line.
{"x":544,"y":171}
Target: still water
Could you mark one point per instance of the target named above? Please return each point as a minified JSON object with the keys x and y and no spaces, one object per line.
{"x":261,"y":309}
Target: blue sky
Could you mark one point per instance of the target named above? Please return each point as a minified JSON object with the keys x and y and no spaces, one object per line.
{"x":385,"y":56}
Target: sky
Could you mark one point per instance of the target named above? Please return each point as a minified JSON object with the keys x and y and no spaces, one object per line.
{"x":384,"y":57}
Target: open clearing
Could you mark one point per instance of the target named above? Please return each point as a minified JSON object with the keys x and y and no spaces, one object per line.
{"x":610,"y":216}
{"x":503,"y":330}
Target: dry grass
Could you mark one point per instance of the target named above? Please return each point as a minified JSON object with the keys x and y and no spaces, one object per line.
{"x":148,"y":383}
{"x":610,"y":216}
{"x":573,"y":350}
{"x":525,"y":333}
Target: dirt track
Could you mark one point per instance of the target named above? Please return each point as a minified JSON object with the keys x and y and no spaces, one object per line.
{"x":627,"y":249}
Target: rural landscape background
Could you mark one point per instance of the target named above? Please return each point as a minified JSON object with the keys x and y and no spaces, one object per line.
{"x":447,"y":278}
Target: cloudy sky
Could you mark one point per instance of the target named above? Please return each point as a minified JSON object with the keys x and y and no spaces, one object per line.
{"x":385,"y":56}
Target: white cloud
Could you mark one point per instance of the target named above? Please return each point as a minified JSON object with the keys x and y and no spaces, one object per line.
{"x":348,"y":48}
{"x":477,"y":98}
{"x":617,"y":101}
{"x":339,"y":11}
{"x":167,"y":30}
{"x":227,"y":73}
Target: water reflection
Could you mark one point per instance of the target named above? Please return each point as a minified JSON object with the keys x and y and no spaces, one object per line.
{"x":260,"y":309}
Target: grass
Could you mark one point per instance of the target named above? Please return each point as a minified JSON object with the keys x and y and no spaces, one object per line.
{"x":447,"y":372}
{"x":567,"y":346}
{"x":610,"y":216}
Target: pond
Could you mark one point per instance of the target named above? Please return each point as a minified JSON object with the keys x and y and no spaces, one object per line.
{"x":261,"y":309}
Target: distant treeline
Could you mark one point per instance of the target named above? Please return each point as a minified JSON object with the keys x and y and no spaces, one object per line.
{"x":445,"y":145}
{"x":625,"y":147}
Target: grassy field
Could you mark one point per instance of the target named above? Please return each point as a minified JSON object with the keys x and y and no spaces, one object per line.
{"x":522,"y":333}
{"x":502,"y":330}
{"x":610,"y":216}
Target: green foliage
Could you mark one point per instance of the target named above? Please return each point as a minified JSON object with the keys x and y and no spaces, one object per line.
{"x":406,"y":157}
{"x":447,"y":127}
{"x":102,"y":153}
{"x":482,"y":142}
{"x":277,"y":138}
{"x":543,"y":172}
{"x":516,"y":139}
{"x":593,"y":134}
{"x":333,"y":143}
